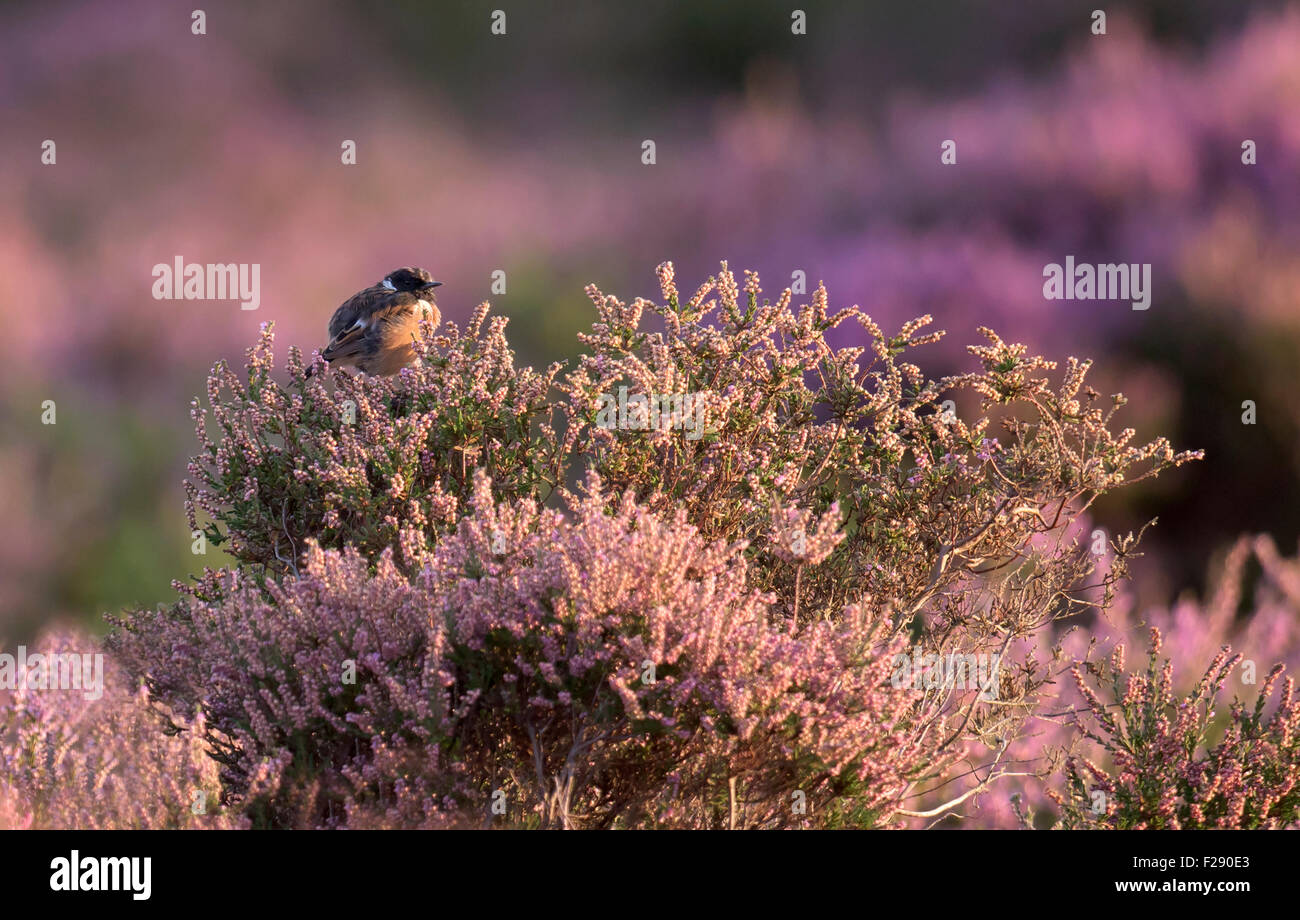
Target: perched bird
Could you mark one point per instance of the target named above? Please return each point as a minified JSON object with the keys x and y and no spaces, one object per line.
{"x":374,"y":329}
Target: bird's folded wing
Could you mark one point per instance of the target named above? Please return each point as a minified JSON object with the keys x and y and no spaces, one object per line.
{"x":359,"y":305}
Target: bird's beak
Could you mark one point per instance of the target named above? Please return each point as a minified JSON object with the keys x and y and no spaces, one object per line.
{"x":434,"y":284}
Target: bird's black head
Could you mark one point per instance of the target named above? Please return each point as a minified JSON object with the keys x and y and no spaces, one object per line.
{"x":410,"y":279}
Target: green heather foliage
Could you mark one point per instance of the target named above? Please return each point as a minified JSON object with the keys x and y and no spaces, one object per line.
{"x":473,"y":594}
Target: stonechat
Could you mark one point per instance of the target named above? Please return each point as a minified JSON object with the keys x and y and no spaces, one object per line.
{"x":374,"y":329}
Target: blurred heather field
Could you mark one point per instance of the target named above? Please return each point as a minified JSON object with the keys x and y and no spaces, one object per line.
{"x":522,"y":153}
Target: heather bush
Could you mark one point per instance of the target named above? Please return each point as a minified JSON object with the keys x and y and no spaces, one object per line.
{"x":624,"y":651}
{"x":705,"y":632}
{"x":304,"y":685}
{"x":787,"y":419}
{"x":961,"y":538}
{"x":1168,"y":771}
{"x":371,"y":462}
{"x":596,"y":670}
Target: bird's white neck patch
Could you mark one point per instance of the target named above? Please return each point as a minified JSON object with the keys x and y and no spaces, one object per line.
{"x":388,"y":284}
